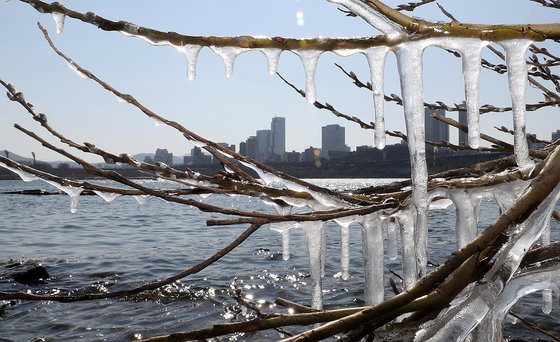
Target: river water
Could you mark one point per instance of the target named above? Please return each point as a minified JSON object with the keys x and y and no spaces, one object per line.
{"x":121,"y":244}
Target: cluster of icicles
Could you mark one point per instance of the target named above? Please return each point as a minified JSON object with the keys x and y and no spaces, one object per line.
{"x":482,"y":306}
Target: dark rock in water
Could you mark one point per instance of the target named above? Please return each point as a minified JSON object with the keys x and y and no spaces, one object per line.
{"x":36,"y":274}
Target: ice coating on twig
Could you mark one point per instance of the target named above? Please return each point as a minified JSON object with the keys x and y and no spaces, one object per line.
{"x":344,"y":223}
{"x":75,"y":69}
{"x":313,"y":239}
{"x":107,"y":196}
{"x":59,"y":21}
{"x":228,"y":54}
{"x":373,"y":17}
{"x":409,"y":63}
{"x":309,"y":59}
{"x":376,"y":57}
{"x":529,"y":281}
{"x":25,"y":176}
{"x":516,"y":50}
{"x":191,"y":52}
{"x":272,"y":57}
{"x":372,"y":250}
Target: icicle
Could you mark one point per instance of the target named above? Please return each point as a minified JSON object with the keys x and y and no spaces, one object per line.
{"x":373,"y":17}
{"x":191,"y":52}
{"x":142,"y":199}
{"x":376,"y":57}
{"x":546,"y":303}
{"x":406,"y":219}
{"x":344,"y":223}
{"x":284,"y":229}
{"x":372,"y":241}
{"x":409,"y":62}
{"x":466,"y":223}
{"x":392,"y":239}
{"x":107,"y":196}
{"x":272,"y":57}
{"x":25,"y":176}
{"x":228,"y":54}
{"x":471,"y":55}
{"x":313,"y":239}
{"x":59,"y":21}
{"x":309,"y":59}
{"x":516,"y":50}
{"x":470,"y":50}
{"x":72,"y":192}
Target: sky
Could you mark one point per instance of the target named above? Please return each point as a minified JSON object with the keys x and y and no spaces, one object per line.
{"x":219,"y":108}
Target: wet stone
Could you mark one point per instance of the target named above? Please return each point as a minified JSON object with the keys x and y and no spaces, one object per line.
{"x":29,"y":273}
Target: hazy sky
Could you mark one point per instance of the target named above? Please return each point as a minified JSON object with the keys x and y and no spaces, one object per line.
{"x":218,"y":108}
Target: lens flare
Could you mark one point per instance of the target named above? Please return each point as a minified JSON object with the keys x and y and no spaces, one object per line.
{"x":299,"y":18}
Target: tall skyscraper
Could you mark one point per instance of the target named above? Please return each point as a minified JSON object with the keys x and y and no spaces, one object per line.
{"x":333,"y":140}
{"x":435,"y":130}
{"x":252,"y":147}
{"x":278,"y":138}
{"x":264,"y":144}
{"x":463,"y":136}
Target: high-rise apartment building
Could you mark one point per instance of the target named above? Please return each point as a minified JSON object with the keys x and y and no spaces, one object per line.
{"x":278,"y":136}
{"x":435,"y":129}
{"x":333,"y":140}
{"x":264,"y":144}
{"x":252,"y":147}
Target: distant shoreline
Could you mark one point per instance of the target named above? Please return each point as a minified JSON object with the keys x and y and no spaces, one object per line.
{"x":327,"y":169}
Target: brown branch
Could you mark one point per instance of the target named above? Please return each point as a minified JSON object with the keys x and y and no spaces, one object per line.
{"x":533,"y":326}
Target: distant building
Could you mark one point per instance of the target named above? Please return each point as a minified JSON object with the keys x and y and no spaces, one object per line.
{"x":252,"y":147}
{"x":555,"y":135}
{"x":463,"y":136}
{"x":311,"y":154}
{"x":292,"y":157}
{"x":435,"y":129}
{"x":333,"y":140}
{"x":243,"y":148}
{"x":163,"y":156}
{"x":278,"y":136}
{"x":532,"y":144}
{"x":264,"y":144}
{"x":199,"y":158}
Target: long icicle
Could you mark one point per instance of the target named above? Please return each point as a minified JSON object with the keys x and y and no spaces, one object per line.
{"x":516,"y":49}
{"x":409,"y":63}
{"x":376,"y":57}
